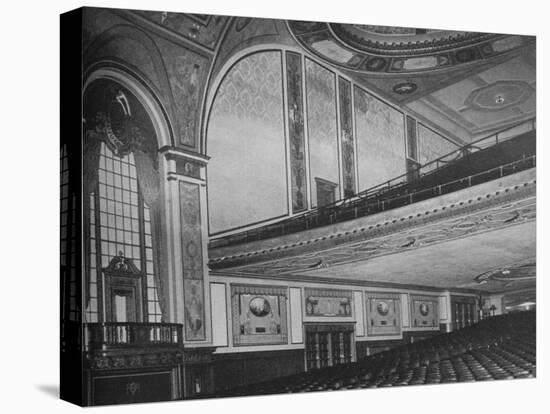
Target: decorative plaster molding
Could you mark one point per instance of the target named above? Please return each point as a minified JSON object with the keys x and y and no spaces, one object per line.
{"x":487,"y":209}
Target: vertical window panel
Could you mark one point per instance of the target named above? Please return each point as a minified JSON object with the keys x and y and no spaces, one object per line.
{"x":118,"y":221}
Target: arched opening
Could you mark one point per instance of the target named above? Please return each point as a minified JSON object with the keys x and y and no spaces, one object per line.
{"x":122,"y":206}
{"x":247,"y":118}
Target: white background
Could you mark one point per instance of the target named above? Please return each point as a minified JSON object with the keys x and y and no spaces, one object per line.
{"x":29,"y":134}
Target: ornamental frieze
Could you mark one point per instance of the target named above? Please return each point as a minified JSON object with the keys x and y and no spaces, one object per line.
{"x":507,"y":206}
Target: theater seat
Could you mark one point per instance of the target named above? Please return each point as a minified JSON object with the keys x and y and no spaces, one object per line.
{"x":500,"y":347}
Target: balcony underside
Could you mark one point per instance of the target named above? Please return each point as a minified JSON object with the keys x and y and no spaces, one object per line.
{"x":443,"y":242}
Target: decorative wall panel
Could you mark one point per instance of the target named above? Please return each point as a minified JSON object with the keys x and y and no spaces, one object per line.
{"x":412,"y":147}
{"x":424,"y":311}
{"x":405,"y":310}
{"x":383,"y":314}
{"x":347,"y":137}
{"x":129,"y":389}
{"x":325,"y":302}
{"x":247,"y":171}
{"x":359,"y":313}
{"x":296,"y":315}
{"x":432,"y":145}
{"x":191,"y":239}
{"x":380,"y":140}
{"x":259,"y":315}
{"x":186,"y":72}
{"x":321,"y":125}
{"x":219,"y":314}
{"x":296,"y":131}
{"x":443,"y":311}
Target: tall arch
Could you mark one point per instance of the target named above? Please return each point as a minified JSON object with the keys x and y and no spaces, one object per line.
{"x":247,"y":143}
{"x":124,"y":200}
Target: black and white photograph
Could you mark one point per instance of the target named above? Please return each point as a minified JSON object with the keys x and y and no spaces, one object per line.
{"x":259,"y":205}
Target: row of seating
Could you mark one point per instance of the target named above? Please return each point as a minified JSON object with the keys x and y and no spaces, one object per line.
{"x":500,"y":347}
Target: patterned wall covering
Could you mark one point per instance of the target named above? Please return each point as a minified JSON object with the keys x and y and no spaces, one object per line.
{"x":380,"y":140}
{"x":247,"y":118}
{"x":321,"y":123}
{"x":347,"y":137}
{"x":192,"y":261}
{"x":383,"y":314}
{"x":432,"y":145}
{"x":296,"y":131}
{"x":247,"y":172}
{"x":259,"y":315}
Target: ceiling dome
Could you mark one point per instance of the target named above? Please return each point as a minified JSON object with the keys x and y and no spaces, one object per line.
{"x":398,"y":50}
{"x":390,"y":40}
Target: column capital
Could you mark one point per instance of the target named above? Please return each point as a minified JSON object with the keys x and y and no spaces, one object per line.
{"x":184,"y":164}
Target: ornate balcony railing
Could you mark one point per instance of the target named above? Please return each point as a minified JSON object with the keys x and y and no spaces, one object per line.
{"x":131,"y":334}
{"x":486,"y":159}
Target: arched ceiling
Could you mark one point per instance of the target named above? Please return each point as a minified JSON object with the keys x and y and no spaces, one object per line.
{"x":469,"y":84}
{"x":398,"y":50}
{"x":464,"y":84}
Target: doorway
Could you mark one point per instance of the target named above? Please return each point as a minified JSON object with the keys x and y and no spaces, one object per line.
{"x":329,"y":345}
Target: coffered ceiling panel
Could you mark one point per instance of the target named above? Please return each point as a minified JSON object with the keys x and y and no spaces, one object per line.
{"x":494,"y":99}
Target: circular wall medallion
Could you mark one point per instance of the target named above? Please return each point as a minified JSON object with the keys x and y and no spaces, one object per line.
{"x":383,"y":308}
{"x":424,"y":309}
{"x":259,"y":306}
{"x":405,"y":88}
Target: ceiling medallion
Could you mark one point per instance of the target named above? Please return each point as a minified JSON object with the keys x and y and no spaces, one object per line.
{"x":499,"y":95}
{"x":405,"y":88}
{"x":499,"y":99}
